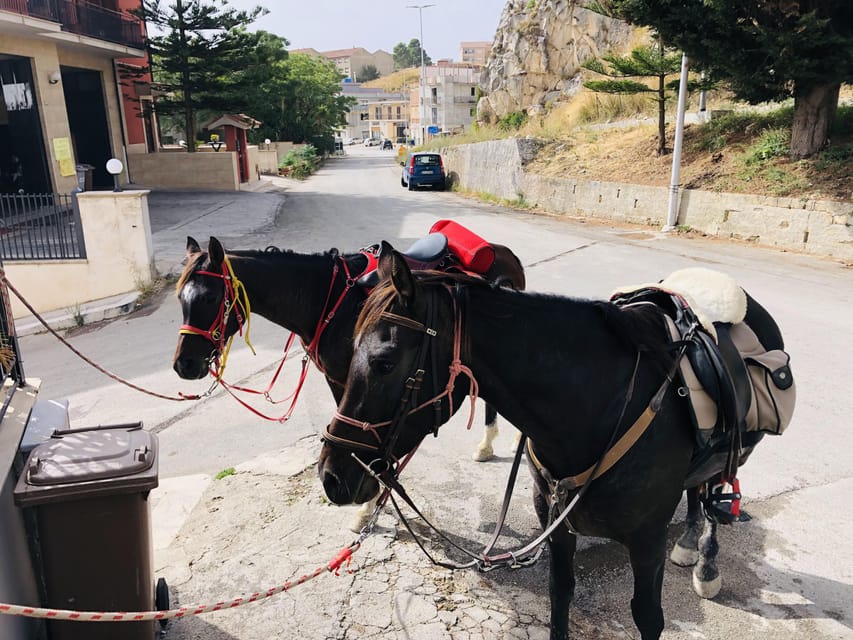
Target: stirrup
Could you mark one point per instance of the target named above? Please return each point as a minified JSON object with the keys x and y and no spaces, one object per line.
{"x":721,"y":506}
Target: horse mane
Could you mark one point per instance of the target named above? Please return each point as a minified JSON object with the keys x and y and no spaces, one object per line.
{"x":382,"y":295}
{"x":268,"y":252}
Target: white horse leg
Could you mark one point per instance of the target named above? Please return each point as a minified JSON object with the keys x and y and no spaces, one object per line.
{"x":485,"y":450}
{"x":706,"y":577}
{"x":362,"y":516}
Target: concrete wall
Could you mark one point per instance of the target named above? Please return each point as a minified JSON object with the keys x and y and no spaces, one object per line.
{"x":267,"y":161}
{"x":817,"y":227}
{"x":181,"y":170}
{"x":119,"y":257}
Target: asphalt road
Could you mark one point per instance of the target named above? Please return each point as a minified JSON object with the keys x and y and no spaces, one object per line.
{"x":788,"y":573}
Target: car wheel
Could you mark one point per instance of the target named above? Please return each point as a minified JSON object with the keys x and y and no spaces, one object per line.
{"x":441,"y":186}
{"x":411,"y":186}
{"x":402,"y":182}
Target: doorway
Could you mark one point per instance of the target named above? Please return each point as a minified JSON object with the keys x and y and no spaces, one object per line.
{"x":23,"y":161}
{"x":87,"y":120}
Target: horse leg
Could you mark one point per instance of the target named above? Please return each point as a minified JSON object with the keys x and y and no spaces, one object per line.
{"x":648,"y":556}
{"x":485,"y":450}
{"x":561,"y":580}
{"x":706,"y":577}
{"x":362,"y":516}
{"x":685,"y":553}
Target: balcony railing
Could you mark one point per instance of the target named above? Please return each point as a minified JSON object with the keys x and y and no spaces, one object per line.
{"x":83,"y":18}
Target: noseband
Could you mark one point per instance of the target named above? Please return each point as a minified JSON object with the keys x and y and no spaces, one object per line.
{"x":384,"y":448}
{"x":234,"y":299}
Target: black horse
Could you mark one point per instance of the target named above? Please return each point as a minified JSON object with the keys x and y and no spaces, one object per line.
{"x":573,"y":375}
{"x":295,"y":291}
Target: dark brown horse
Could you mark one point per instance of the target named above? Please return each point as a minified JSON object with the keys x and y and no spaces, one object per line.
{"x":295,"y":291}
{"x":575,"y":376}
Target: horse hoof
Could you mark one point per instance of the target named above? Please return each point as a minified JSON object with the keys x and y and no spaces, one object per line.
{"x":707,"y":589}
{"x":683,"y":556}
{"x":358,"y":523}
{"x":483,"y":454}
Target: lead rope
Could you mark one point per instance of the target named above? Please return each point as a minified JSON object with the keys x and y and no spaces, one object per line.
{"x":179,"y":398}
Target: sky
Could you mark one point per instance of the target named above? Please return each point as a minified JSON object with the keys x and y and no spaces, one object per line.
{"x":378,"y":24}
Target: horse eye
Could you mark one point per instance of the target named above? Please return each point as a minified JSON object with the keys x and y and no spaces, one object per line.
{"x":382,"y":367}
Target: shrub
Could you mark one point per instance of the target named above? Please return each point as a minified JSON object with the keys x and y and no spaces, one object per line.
{"x":512,"y":121}
{"x":302,"y":162}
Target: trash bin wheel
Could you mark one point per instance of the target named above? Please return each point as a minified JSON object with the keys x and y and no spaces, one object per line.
{"x":161,"y":598}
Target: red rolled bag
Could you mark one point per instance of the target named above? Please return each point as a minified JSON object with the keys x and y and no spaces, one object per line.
{"x":473,"y":252}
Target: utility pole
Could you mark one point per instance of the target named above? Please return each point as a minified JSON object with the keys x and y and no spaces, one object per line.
{"x":420,"y":8}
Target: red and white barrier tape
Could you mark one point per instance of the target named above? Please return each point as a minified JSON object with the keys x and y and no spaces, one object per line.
{"x":140,"y":616}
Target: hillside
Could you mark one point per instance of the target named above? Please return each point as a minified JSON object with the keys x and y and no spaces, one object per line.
{"x":742,"y":152}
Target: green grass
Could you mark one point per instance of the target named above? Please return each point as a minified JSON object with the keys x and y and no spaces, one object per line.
{"x":230,"y":471}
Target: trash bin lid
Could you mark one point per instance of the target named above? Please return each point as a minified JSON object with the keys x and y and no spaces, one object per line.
{"x":90,"y":455}
{"x":82,"y":463}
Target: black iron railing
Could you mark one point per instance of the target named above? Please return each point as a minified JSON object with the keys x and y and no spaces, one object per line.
{"x":40,"y":227}
{"x":83,"y":18}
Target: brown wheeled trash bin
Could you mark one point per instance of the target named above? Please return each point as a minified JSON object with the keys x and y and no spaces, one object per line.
{"x":89,"y":490}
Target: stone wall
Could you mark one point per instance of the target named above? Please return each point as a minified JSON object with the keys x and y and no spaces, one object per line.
{"x":817,"y":227}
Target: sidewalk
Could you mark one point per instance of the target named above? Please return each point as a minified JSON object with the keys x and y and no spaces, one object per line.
{"x":174,"y":215}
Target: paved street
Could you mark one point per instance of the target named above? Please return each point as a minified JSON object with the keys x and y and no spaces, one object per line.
{"x":787,"y":573}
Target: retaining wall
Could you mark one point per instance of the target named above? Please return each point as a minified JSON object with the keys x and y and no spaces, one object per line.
{"x":182,"y":170}
{"x":818,"y":227}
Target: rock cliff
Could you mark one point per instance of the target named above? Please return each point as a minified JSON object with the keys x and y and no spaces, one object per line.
{"x":537,"y":52}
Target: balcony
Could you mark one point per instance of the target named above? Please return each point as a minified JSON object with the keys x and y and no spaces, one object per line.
{"x":82,"y":18}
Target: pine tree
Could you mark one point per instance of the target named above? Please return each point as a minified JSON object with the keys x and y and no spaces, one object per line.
{"x":200,"y":55}
{"x":764,"y":50}
{"x":643,"y":62}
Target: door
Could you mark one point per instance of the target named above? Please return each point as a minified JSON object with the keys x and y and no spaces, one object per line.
{"x":87,"y":120}
{"x":23,"y":160}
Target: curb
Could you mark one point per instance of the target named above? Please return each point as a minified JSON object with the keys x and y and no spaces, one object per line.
{"x":87,"y":313}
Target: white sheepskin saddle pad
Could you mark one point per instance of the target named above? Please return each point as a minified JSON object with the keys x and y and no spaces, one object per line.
{"x":712,"y":295}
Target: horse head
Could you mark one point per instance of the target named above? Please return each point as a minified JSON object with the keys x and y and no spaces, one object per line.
{"x":398,"y":383}
{"x":211,"y":310}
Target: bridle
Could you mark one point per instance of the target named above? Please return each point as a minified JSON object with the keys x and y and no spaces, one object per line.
{"x":234,"y":299}
{"x":383,"y":450}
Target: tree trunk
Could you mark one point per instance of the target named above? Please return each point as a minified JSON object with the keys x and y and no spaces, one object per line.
{"x":661,"y":100}
{"x":814,"y":110}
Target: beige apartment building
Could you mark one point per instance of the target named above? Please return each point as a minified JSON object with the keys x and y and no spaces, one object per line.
{"x":450,"y":104}
{"x":351,"y":61}
{"x":474,"y":52}
{"x":60,"y":102}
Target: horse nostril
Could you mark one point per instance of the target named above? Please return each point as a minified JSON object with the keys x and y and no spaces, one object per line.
{"x":336,"y":491}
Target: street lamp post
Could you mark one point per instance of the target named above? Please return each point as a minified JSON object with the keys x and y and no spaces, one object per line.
{"x":420,"y":8}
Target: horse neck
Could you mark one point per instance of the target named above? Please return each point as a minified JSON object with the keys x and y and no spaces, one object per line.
{"x":288,"y":289}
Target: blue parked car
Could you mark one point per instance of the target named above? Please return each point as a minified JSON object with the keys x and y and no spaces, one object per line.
{"x":424,"y":168}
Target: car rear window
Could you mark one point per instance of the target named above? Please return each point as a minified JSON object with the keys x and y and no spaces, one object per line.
{"x":426,"y":160}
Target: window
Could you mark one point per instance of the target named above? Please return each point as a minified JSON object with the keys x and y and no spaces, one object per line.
{"x":378,"y":113}
{"x":434,"y":115}
{"x":399,"y":112}
{"x":473,"y":91}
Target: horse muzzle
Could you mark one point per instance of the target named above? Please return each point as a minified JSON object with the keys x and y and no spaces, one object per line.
{"x":191,"y":368}
{"x":344,"y":481}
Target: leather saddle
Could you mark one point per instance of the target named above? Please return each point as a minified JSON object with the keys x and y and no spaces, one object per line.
{"x":429,"y":252}
{"x":718,"y":365}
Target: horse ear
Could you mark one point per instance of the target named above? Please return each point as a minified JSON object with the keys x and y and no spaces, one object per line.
{"x":215,"y":252}
{"x":394,"y":266}
{"x":192,"y":246}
